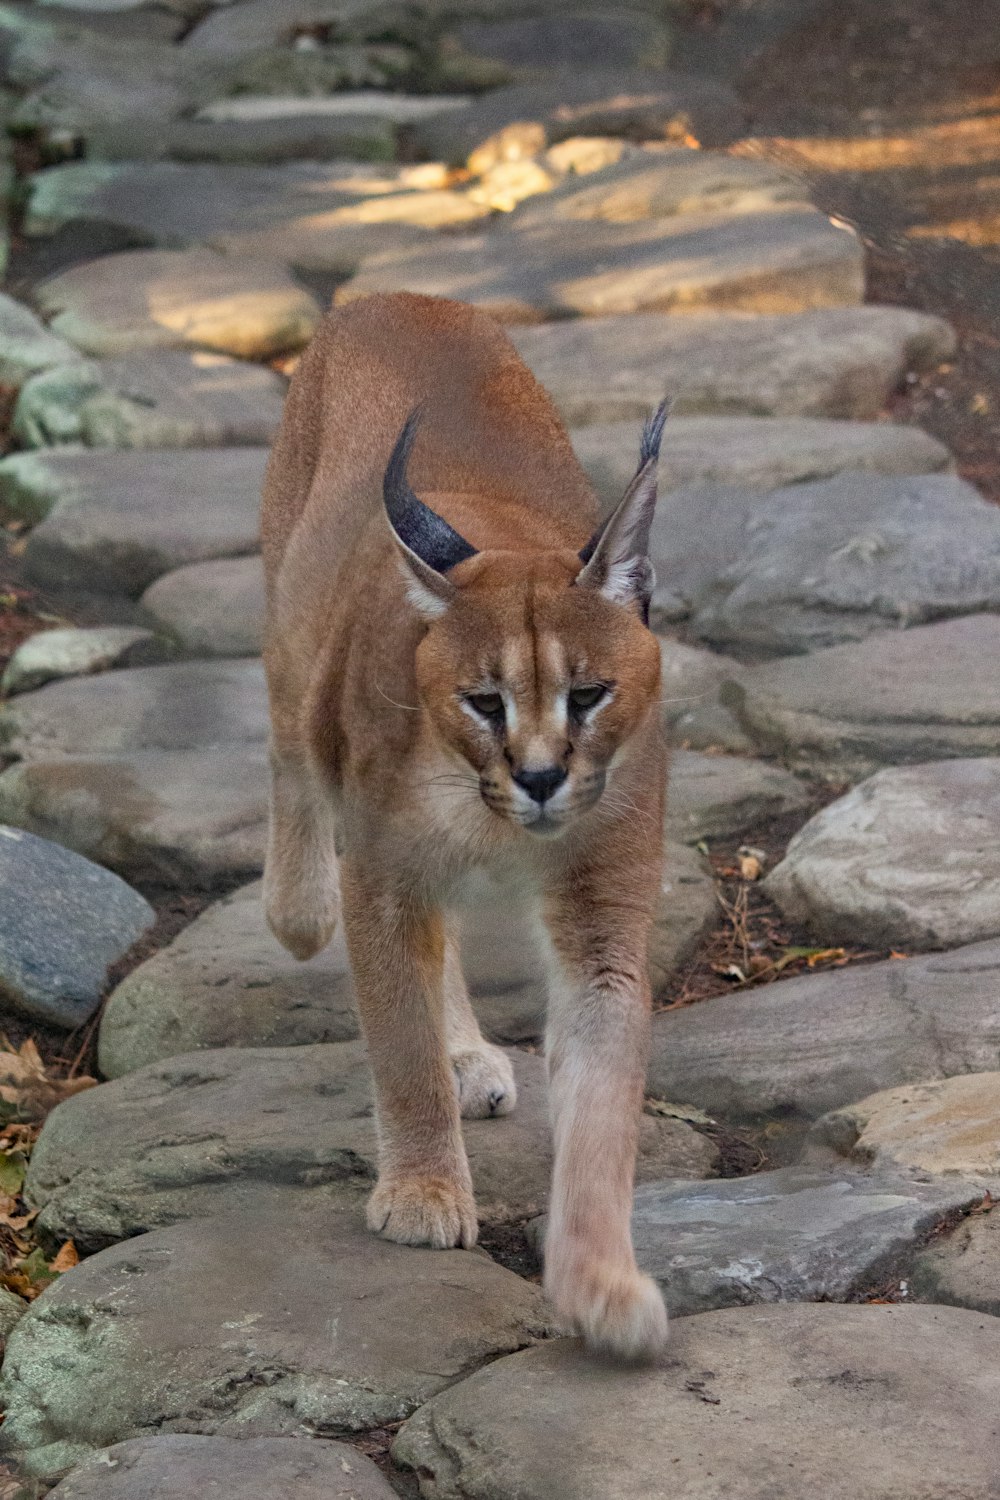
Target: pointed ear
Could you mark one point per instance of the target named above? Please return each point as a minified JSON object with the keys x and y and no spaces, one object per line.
{"x":428,"y":546}
{"x":616,"y":559}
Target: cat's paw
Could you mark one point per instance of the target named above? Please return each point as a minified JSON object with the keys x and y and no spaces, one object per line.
{"x":619,"y":1311}
{"x":302,"y":923}
{"x":431,"y":1211}
{"x":485,"y":1082}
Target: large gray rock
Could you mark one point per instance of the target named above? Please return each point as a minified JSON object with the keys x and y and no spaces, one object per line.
{"x":181,"y":706}
{"x":815,"y":564}
{"x":789,"y":260}
{"x":226,"y":982}
{"x":275,"y":1321}
{"x":905,"y":860}
{"x":26,"y":345}
{"x":851,"y":1403}
{"x":811,"y":1044}
{"x":180,"y":1466}
{"x":964,"y":1268}
{"x":759,"y":452}
{"x":720,"y":796}
{"x":63,"y":923}
{"x":305,"y":137}
{"x":899,"y":696}
{"x":154,"y":398}
{"x":567,"y":39}
{"x":174,"y":299}
{"x":181,"y":818}
{"x":172,"y":1140}
{"x":692,"y":681}
{"x":837,"y":362}
{"x":79,"y":651}
{"x":638,"y":103}
{"x":788,"y":1236}
{"x":652,"y":185}
{"x":949,"y":1127}
{"x":212,"y":608}
{"x":116,"y":521}
{"x":256,"y":24}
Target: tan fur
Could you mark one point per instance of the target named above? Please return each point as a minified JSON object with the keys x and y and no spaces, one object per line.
{"x":375,"y":747}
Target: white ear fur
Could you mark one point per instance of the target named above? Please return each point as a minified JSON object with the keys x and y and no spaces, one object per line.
{"x":427,"y":590}
{"x":619,"y":566}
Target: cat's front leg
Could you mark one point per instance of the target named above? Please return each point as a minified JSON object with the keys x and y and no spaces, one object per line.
{"x":597,"y":1046}
{"x":424,"y":1191}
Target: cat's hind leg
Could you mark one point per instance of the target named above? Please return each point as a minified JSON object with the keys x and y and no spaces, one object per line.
{"x":483,"y":1074}
{"x":301,"y":887}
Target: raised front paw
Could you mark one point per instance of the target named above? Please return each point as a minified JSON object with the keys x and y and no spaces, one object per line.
{"x":485,"y":1082}
{"x":431,"y":1211}
{"x":303,"y":922}
{"x":618,"y":1310}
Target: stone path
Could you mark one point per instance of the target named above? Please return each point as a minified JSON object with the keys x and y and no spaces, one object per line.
{"x":827,"y":602}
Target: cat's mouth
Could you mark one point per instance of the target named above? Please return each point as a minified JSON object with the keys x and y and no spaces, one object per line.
{"x":544,"y":819}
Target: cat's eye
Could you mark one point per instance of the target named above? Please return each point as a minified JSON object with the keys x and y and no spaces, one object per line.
{"x":490,"y":705}
{"x":582,"y":698}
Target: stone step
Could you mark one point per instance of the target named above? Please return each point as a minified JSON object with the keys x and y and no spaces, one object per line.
{"x":838,"y":362}
{"x":153,"y":398}
{"x":905,"y":860}
{"x":307,"y":136}
{"x":63,"y":922}
{"x":900,"y":696}
{"x":80,"y":651}
{"x":789,"y":260}
{"x":173,"y":299}
{"x":747,"y":1395}
{"x":962,"y":1269}
{"x":211,"y":608}
{"x":170,"y":1003}
{"x":812,"y":565}
{"x":225,"y":1468}
{"x":256,"y":1323}
{"x":26,"y":345}
{"x":176,"y":1139}
{"x":114,"y":522}
{"x":812,"y":1044}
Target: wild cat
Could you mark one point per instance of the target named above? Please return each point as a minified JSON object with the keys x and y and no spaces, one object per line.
{"x":461,"y":675}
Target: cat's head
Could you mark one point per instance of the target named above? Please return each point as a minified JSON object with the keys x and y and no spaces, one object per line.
{"x":536,"y":669}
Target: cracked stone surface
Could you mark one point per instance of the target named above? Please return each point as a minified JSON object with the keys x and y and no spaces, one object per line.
{"x":944,"y":1128}
{"x":114,"y":522}
{"x":837,"y":362}
{"x":815,"y":1043}
{"x":177,"y":1139}
{"x":905,"y":860}
{"x":807,"y":1392}
{"x":257,"y":1323}
{"x":179,"y":1466}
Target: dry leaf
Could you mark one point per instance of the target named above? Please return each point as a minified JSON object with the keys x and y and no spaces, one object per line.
{"x":750,"y":867}
{"x":66,"y":1259}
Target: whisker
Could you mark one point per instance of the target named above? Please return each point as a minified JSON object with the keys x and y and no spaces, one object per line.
{"x":411,"y":708}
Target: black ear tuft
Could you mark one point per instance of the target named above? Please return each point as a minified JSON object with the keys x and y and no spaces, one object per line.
{"x":419,"y":528}
{"x":652,"y":433}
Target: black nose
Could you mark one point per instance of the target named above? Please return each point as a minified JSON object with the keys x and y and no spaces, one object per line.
{"x":540,"y":785}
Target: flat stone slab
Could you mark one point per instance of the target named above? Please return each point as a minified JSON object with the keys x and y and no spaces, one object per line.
{"x":211,"y":608}
{"x":400,"y":109}
{"x":791,"y":260}
{"x":177,"y":1466}
{"x":63,"y":923}
{"x":154,"y":398}
{"x":567,"y":39}
{"x":302,"y":137}
{"x":964,"y":1268}
{"x":692,"y":680}
{"x":168,"y":1142}
{"x":639,"y":103}
{"x":905,"y":860}
{"x":948,"y":1127}
{"x":788,"y":1236}
{"x":324,"y":1328}
{"x":807,"y":1045}
{"x":172,"y":299}
{"x":180,"y":818}
{"x":75,"y":651}
{"x":899,"y":696}
{"x":720,"y":796}
{"x":762,"y":453}
{"x":180,"y":706}
{"x":653,"y":185}
{"x":226,"y":982}
{"x":812,"y":565}
{"x":114,"y":522}
{"x":26,"y":345}
{"x":836,"y":362}
{"x":802,"y":1396}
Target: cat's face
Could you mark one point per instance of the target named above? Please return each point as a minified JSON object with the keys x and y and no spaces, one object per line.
{"x":537,"y":685}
